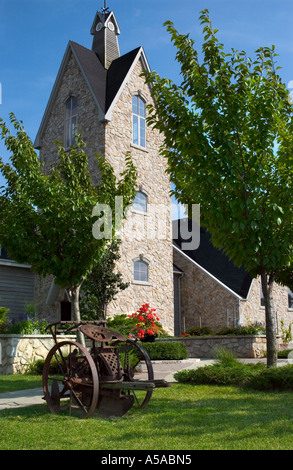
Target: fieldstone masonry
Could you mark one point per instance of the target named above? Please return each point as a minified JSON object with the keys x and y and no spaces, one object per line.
{"x":148,"y":235}
{"x":253,"y":347}
{"x":17,"y":352}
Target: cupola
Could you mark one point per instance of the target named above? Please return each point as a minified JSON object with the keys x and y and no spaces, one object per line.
{"x":105,"y":30}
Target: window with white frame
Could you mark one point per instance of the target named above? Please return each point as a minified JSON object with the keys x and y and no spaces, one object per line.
{"x":138,"y":121}
{"x":70,"y":121}
{"x":140,"y":202}
{"x":141,"y":271}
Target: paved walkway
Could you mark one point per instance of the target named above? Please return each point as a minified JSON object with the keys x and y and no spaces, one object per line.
{"x":162,"y":370}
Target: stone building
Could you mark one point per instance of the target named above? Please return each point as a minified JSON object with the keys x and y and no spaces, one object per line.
{"x":211,"y":291}
{"x":103,"y":95}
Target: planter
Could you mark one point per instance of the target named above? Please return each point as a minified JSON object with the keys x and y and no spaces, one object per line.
{"x":148,"y":339}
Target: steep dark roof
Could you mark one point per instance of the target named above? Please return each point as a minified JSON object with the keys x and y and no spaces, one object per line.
{"x":117,"y":73}
{"x":104,"y":84}
{"x":216,"y":262}
{"x":94,"y":71}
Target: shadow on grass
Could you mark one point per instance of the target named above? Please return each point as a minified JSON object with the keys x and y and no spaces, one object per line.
{"x":182,"y":417}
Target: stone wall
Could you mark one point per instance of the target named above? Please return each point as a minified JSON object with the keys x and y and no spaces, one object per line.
{"x":148,"y":235}
{"x":251,"y":310}
{"x":242,"y":346}
{"x":204,"y":301}
{"x":17,"y":352}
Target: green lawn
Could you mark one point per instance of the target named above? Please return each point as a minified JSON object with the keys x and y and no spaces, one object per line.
{"x":182,"y":417}
{"x":11,"y":383}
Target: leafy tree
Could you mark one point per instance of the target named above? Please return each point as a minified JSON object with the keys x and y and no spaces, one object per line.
{"x":102,"y":284}
{"x":229,"y":145}
{"x":46,"y":217}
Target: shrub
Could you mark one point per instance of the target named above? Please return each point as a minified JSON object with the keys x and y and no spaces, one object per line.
{"x":28,"y":327}
{"x":122,"y":324}
{"x":166,"y":350}
{"x":3,"y":319}
{"x":198,"y":331}
{"x":284,"y":353}
{"x":273,"y":378}
{"x":225,"y":356}
{"x":219,"y":374}
{"x":250,"y":329}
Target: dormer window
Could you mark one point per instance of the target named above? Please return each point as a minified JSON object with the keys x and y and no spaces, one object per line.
{"x":70,"y":121}
{"x":138,"y":121}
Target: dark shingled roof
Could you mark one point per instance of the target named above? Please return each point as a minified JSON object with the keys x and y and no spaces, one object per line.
{"x":105,"y":84}
{"x":94,"y":71}
{"x":216,"y":262}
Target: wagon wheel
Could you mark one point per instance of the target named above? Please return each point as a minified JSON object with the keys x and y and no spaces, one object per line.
{"x":137,"y":367}
{"x":70,"y":380}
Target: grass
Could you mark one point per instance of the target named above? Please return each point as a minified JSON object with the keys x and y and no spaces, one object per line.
{"x":182,"y":417}
{"x":11,"y":383}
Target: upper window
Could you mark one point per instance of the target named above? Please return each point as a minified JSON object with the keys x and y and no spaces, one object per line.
{"x":70,"y":121}
{"x":140,"y":202}
{"x":138,"y":121}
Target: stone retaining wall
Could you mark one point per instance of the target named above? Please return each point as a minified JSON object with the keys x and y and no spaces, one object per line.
{"x":17,"y":352}
{"x":242,"y":346}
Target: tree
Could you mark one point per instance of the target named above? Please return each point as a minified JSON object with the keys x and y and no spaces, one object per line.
{"x":229,"y":146}
{"x":46,"y":217}
{"x":102,"y":284}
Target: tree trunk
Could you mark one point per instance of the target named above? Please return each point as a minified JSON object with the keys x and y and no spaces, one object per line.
{"x":75,"y":291}
{"x":267,"y":289}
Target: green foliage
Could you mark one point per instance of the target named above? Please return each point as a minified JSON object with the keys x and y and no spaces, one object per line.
{"x":28,"y":327}
{"x":218,"y":374}
{"x":286,"y":332}
{"x":273,"y":379}
{"x":47,"y":214}
{"x":284,"y":353}
{"x":228,"y":141}
{"x":166,"y":350}
{"x":242,"y":330}
{"x":3,"y":319}
{"x":198,"y":331}
{"x":122,"y":324}
{"x":102,"y":284}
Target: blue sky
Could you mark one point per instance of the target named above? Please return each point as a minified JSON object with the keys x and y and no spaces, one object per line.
{"x":34,"y":35}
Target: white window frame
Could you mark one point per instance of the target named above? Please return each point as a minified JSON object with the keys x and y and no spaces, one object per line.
{"x":140,"y":206}
{"x":144,"y":262}
{"x":139,"y":120}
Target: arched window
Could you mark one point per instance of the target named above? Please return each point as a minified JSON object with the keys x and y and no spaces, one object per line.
{"x":141,"y":271}
{"x":138,"y":121}
{"x":140,"y":202}
{"x":70,"y":121}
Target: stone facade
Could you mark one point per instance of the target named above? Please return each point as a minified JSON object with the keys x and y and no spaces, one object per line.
{"x":207,"y":302}
{"x":17,"y":352}
{"x":204,"y":301}
{"x":146,"y":235}
{"x":252,"y":311}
